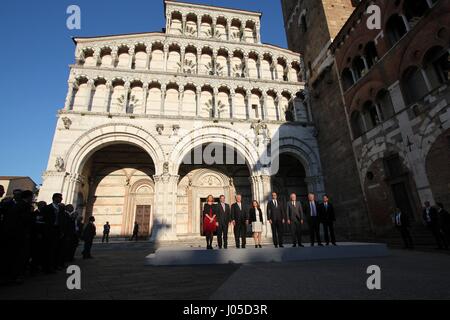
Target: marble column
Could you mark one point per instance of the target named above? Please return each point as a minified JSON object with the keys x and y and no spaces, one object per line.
{"x":165,"y":207}
{"x":69,"y":97}
{"x":125,"y":98}
{"x":109,"y":91}
{"x":90,"y":87}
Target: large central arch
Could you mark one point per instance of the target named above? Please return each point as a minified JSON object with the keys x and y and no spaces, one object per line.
{"x":215,"y":134}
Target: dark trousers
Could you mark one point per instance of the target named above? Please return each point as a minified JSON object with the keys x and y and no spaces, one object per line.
{"x":314,"y":230}
{"x":105,"y":237}
{"x":296,"y":229}
{"x":277,"y":233}
{"x":240,"y":233}
{"x":134,"y":236}
{"x":87,"y":248}
{"x":51,"y":239}
{"x":328,"y":231}
{"x":222,"y":235}
{"x":406,"y":236}
{"x":440,"y":240}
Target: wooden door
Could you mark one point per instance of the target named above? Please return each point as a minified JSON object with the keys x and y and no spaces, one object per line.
{"x":143,"y":214}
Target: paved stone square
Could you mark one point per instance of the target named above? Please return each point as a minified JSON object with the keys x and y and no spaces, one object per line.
{"x":118,"y":272}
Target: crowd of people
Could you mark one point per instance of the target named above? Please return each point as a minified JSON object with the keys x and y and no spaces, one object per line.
{"x":41,"y":238}
{"x":217,"y":218}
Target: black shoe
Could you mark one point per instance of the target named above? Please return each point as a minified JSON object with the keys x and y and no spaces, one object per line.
{"x":320,"y":245}
{"x":226,"y":247}
{"x":294,"y":245}
{"x":281,"y":246}
{"x":335,"y":244}
{"x":260,"y":246}
{"x":327,"y":244}
{"x":256,"y":246}
{"x":301,"y":246}
{"x":276,"y":246}
{"x":243,"y":247}
{"x":238,"y":247}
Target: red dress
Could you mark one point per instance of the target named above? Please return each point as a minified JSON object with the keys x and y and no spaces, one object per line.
{"x":209,"y":226}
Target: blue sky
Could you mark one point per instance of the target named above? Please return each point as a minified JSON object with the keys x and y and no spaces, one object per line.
{"x":37,"y":49}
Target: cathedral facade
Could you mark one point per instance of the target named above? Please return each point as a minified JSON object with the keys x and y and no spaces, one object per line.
{"x":155,"y":122}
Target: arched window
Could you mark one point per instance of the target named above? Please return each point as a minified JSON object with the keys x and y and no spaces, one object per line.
{"x":414,"y":9}
{"x":384,"y":102}
{"x":357,"y":124}
{"x":359,"y":67}
{"x":371,"y":54}
{"x":347,"y":79}
{"x":413,"y":85}
{"x":370,"y":115}
{"x":395,"y":29}
{"x":436,"y":64}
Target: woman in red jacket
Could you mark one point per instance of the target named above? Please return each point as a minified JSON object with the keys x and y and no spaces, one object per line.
{"x":209,"y":221}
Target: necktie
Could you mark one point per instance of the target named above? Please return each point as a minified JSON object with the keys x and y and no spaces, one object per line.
{"x":313,"y":209}
{"x":276,"y":204}
{"x":293,"y":203}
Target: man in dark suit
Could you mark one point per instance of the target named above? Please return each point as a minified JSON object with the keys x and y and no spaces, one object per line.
{"x":430,"y":217}
{"x":239,"y":217}
{"x":401,"y":223}
{"x":312,"y":215}
{"x":54,"y":218}
{"x":327,"y":218}
{"x":17,"y":225}
{"x":223,"y":219}
{"x":276,"y":217}
{"x":444,"y":217}
{"x":295,"y":219}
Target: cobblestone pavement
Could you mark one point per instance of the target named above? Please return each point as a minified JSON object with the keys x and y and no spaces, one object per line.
{"x":118,"y":272}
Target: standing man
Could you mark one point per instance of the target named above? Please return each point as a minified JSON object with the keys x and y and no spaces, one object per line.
{"x":89,"y":233}
{"x":431,"y":219}
{"x":37,"y":238}
{"x":223,"y":219}
{"x":239,"y":217}
{"x":295,"y":220}
{"x":276,"y":217}
{"x":327,"y":218}
{"x":401,"y":223}
{"x":312,"y":215}
{"x":135,"y":232}
{"x":106,"y":230}
{"x":444,"y":216}
{"x":54,"y":220}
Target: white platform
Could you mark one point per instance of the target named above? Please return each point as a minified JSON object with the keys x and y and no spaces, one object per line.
{"x":173,"y":256}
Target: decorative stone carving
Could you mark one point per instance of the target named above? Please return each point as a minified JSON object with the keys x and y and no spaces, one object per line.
{"x":262,"y":132}
{"x":59,"y":164}
{"x":176,"y":129}
{"x":67,"y":123}
{"x":166,"y":168}
{"x":160,"y":129}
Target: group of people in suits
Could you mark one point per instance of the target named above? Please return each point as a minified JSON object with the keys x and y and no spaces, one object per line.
{"x":435,"y":218}
{"x":217,"y":218}
{"x":41,"y":238}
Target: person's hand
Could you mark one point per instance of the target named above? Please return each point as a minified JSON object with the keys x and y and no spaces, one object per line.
{"x":270,"y":221}
{"x":283,"y":221}
{"x":233,"y":223}
{"x":289,"y":221}
{"x":246,"y":221}
{"x":217,"y":224}
{"x":302,"y":221}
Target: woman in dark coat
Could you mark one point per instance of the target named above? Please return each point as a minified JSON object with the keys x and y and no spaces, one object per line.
{"x":209,"y":221}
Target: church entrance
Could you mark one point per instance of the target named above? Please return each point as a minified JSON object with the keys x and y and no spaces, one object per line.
{"x":198,"y":180}
{"x":143,"y":215}
{"x":119,"y":189}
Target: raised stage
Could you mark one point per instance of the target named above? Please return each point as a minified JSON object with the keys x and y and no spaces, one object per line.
{"x":173,"y":255}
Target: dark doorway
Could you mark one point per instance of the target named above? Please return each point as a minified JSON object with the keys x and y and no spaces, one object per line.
{"x":402,"y":200}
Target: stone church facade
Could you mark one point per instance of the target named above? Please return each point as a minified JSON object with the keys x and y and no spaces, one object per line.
{"x":388,"y":90}
{"x":142,"y":109}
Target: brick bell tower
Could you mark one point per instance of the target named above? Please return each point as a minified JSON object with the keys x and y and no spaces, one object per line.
{"x":311,"y":27}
